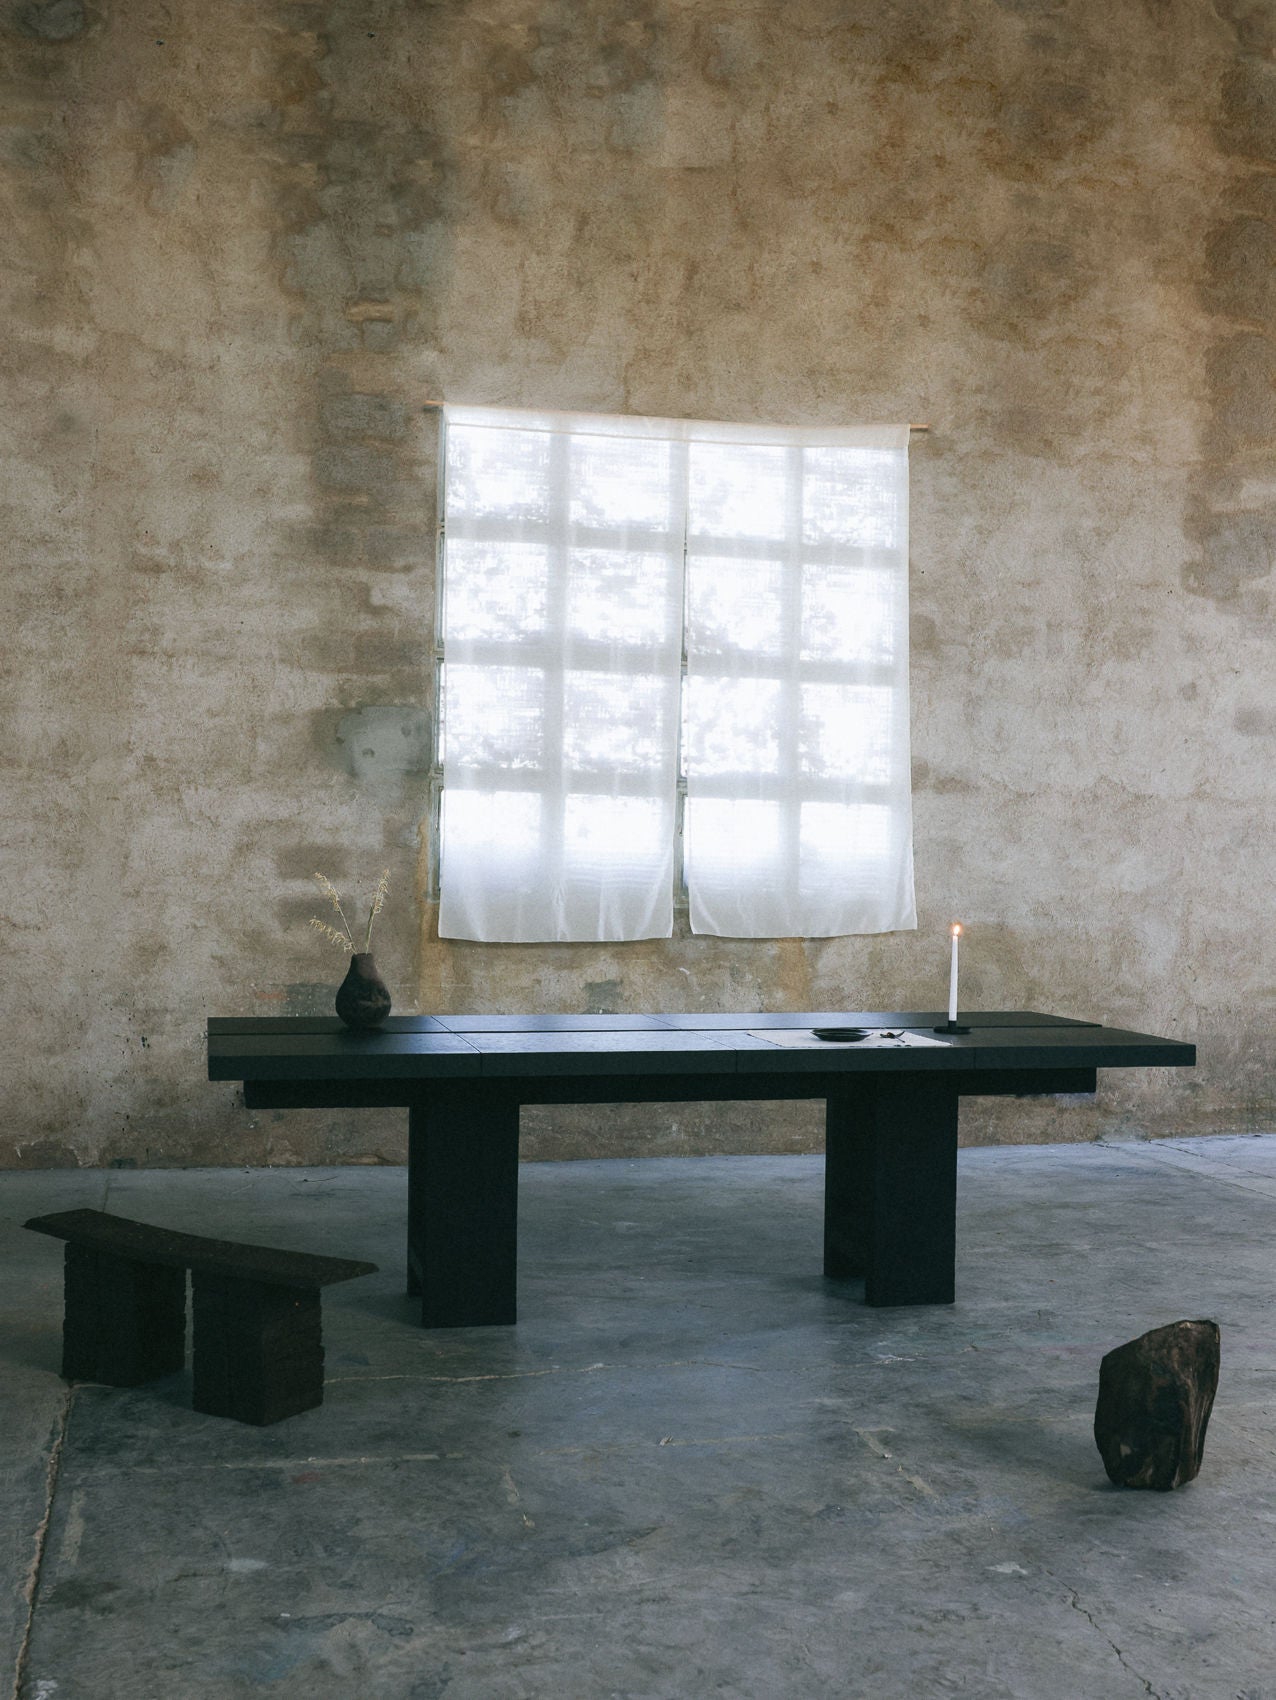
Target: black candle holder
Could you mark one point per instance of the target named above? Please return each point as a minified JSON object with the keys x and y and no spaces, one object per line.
{"x":950,"y":1027}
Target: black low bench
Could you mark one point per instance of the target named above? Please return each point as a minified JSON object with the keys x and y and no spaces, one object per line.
{"x":258,"y":1345}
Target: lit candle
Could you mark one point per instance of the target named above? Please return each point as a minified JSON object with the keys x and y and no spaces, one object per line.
{"x":955,"y":931}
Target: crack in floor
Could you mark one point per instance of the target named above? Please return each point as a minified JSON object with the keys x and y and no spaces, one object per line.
{"x":552,"y":1369}
{"x":1074,"y":1600}
{"x":1168,"y":1155}
{"x":31,"y":1587}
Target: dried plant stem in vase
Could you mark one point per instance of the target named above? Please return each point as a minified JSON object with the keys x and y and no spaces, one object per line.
{"x":363,"y":998}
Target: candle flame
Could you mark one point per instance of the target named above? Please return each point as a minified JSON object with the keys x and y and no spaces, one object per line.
{"x":955,"y":929}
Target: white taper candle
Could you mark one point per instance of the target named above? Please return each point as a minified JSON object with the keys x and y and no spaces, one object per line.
{"x":955,"y":931}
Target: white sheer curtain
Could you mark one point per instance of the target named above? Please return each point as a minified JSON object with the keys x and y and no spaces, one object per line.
{"x":799,"y":801}
{"x":563,"y":627}
{"x":562,"y":641}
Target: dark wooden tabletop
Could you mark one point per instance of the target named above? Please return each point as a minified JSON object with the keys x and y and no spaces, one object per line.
{"x":489,"y":1047}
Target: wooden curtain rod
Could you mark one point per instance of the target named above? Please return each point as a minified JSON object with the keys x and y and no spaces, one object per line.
{"x":441,"y":404}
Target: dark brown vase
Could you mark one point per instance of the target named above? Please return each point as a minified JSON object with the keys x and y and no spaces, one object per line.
{"x":363,"y":998}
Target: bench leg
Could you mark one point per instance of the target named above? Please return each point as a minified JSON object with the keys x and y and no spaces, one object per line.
{"x":124,"y":1321}
{"x":463,"y":1208}
{"x":890,"y":1201}
{"x":258,"y":1350}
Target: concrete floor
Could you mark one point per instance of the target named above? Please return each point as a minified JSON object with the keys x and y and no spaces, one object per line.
{"x":693,"y":1469}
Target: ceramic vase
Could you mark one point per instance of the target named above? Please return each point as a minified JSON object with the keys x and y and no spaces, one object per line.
{"x":363,"y":998}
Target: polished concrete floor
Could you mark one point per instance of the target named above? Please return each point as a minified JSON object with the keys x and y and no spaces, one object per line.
{"x":693,"y":1469}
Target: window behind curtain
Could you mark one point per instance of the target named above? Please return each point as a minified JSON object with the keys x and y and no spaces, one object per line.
{"x":577,"y":549}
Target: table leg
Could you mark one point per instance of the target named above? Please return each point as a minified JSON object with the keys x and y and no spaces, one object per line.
{"x":846,"y":1186}
{"x":463,"y":1208}
{"x":890,"y":1198}
{"x":416,"y":1181}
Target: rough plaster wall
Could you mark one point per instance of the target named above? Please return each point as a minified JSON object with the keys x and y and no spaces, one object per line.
{"x":248,"y":241}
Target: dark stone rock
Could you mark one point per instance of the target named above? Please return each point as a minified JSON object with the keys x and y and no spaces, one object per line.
{"x":363,"y":998}
{"x":1155,"y":1398}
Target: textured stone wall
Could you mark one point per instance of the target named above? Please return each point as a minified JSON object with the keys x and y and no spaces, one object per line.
{"x":248,"y":240}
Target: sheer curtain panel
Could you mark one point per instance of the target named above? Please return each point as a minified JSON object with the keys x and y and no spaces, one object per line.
{"x":799,"y":799}
{"x":562,"y":617}
{"x":620,"y":590}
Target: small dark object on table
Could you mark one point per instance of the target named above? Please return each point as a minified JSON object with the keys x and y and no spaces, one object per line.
{"x":1155,"y":1397}
{"x":363,"y":998}
{"x":258,"y":1349}
{"x":843,"y":1034}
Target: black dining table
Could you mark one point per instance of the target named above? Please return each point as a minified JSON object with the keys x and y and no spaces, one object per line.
{"x":891,"y":1101}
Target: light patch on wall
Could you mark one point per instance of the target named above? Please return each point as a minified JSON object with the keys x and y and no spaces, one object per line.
{"x":698,"y":129}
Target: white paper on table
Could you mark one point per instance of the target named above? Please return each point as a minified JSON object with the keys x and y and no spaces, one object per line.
{"x":882,"y":1039}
